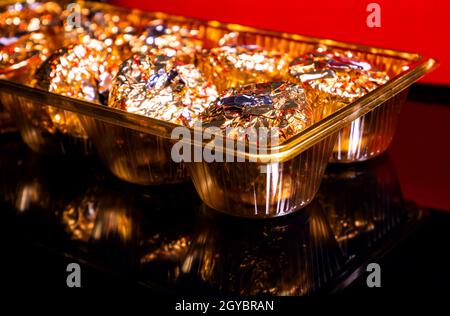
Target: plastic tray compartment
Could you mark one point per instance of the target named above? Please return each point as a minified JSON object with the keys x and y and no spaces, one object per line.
{"x":137,"y":148}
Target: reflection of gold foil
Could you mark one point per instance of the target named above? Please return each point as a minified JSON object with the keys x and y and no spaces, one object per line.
{"x":337,"y":73}
{"x":373,"y":209}
{"x":160,"y":87}
{"x":173,"y":249}
{"x":293,"y":257}
{"x":113,"y":221}
{"x":79,"y":217}
{"x":232,"y":66}
{"x":96,"y":217}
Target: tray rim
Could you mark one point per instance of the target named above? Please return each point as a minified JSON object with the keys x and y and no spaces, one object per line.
{"x":293,"y":146}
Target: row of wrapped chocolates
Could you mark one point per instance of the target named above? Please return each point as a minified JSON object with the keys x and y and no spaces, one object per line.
{"x":133,"y":62}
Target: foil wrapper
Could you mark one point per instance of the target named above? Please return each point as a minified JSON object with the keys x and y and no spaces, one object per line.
{"x":163,"y":88}
{"x":29,"y":51}
{"x":337,"y":73}
{"x":232,"y":65}
{"x":171,"y":41}
{"x":26,"y":17}
{"x":114,"y":28}
{"x":72,"y":71}
{"x":82,"y":71}
{"x":280,"y":107}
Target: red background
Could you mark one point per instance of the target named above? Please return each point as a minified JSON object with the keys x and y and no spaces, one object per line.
{"x":416,"y":25}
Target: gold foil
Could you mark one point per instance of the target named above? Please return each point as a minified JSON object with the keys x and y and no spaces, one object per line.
{"x":23,"y":17}
{"x":113,"y":28}
{"x":233,"y":66}
{"x":280,"y":107}
{"x":81,"y":71}
{"x":337,"y":73}
{"x":72,"y":71}
{"x":171,"y":41}
{"x":161,"y":87}
{"x":29,"y":51}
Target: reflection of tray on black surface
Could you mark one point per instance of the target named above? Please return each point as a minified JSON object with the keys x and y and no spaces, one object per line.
{"x":165,"y":239}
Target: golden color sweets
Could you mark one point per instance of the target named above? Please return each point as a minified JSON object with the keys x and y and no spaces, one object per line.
{"x":233,"y":66}
{"x":161,"y":87}
{"x":26,"y":17}
{"x":82,"y":71}
{"x":21,"y":58}
{"x":337,"y":73}
{"x":113,"y":28}
{"x":280,"y":107}
{"x":171,"y":41}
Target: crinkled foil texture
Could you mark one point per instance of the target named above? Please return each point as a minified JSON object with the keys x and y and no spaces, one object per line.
{"x":337,"y":73}
{"x":29,"y":32}
{"x":163,"y":88}
{"x":171,"y":41}
{"x":22,"y":18}
{"x":235,"y":65}
{"x":20,"y":59}
{"x":280,"y":107}
{"x":83,"y":71}
{"x":168,"y":74}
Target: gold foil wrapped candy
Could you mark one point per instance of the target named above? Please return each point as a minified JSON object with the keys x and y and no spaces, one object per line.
{"x":81,"y":71}
{"x":74,"y":71}
{"x":283,"y":109}
{"x":114,"y":28}
{"x":20,"y":59}
{"x":171,"y":41}
{"x":25,"y":17}
{"x":337,"y":73}
{"x":163,"y":88}
{"x":280,"y":107}
{"x":233,"y":66}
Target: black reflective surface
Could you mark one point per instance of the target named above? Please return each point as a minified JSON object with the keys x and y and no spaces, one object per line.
{"x":164,"y":239}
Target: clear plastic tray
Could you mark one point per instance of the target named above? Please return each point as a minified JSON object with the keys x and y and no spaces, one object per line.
{"x":296,"y":168}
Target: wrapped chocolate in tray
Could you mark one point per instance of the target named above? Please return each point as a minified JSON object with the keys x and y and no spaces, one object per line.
{"x":258,"y":188}
{"x":348,"y":78}
{"x":19,"y":18}
{"x":161,"y":87}
{"x":83,"y":71}
{"x":299,"y":158}
{"x":235,"y":65}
